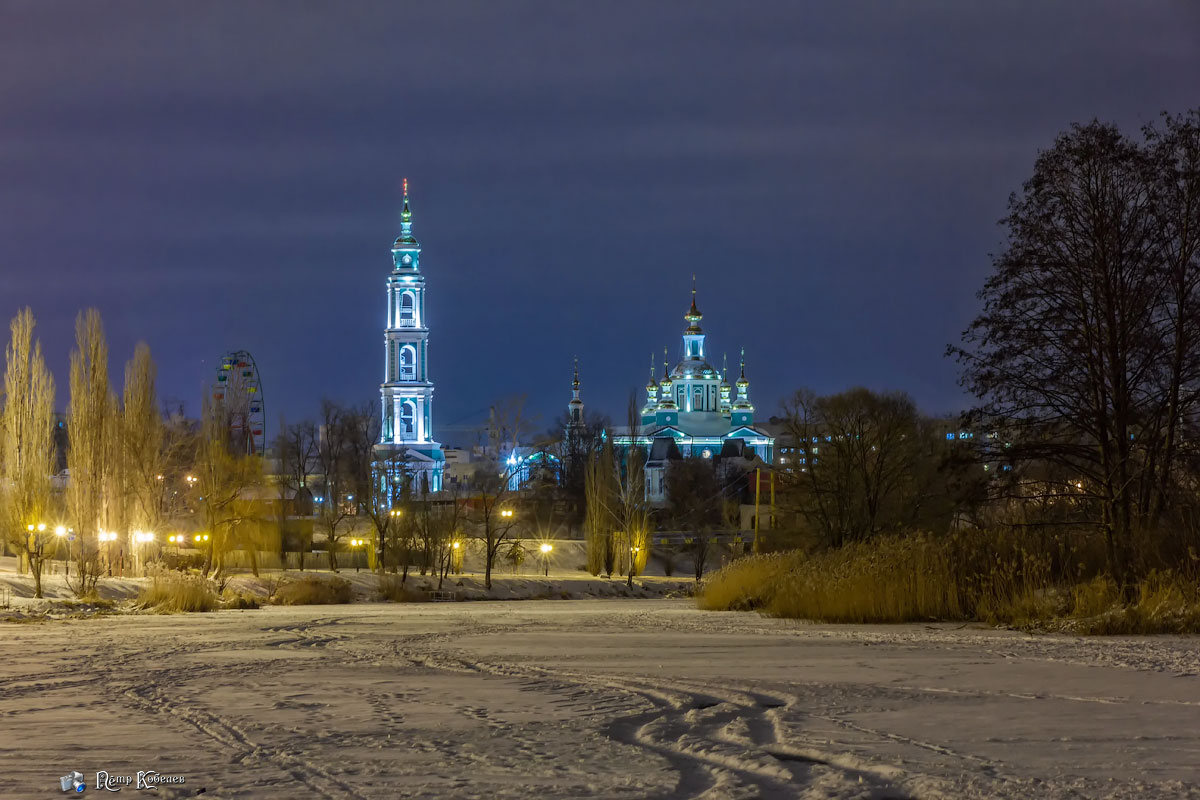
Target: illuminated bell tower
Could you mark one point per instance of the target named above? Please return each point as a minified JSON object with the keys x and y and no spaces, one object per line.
{"x":407,"y":391}
{"x":743,"y":409}
{"x":575,"y":407}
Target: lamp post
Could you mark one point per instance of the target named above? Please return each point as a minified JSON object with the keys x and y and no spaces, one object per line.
{"x":354,"y":543}
{"x":142,"y":540}
{"x":61,"y":533}
{"x":546,"y":548}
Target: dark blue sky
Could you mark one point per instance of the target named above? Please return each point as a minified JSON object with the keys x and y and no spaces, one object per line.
{"x":225,"y":175}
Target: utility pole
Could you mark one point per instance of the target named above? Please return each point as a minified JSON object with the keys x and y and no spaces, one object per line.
{"x":757,"y":490}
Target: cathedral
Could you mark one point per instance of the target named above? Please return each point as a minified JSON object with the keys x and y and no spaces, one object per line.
{"x":407,"y":391}
{"x":694,"y":412}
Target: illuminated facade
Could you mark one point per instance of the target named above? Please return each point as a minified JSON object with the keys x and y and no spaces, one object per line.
{"x":694,"y":412}
{"x":407,"y":391}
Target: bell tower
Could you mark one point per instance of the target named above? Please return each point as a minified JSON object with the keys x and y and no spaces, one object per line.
{"x":407,"y":391}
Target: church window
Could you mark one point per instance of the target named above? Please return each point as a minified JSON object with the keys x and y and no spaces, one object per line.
{"x":407,"y":415}
{"x":406,"y":311}
{"x":408,"y":367}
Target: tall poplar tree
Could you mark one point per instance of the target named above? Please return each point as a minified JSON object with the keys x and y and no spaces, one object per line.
{"x":26,"y":447}
{"x":90,"y":454}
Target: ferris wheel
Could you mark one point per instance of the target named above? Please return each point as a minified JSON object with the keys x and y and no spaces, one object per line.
{"x":238,"y":392}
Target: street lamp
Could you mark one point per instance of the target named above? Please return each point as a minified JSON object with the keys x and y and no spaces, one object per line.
{"x":357,"y":543}
{"x":506,"y":513}
{"x":546,"y":548}
{"x":61,"y":532}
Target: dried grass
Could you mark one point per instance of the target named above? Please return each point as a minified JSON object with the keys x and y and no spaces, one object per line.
{"x":312,"y":590}
{"x":391,"y":588}
{"x":173,"y":594}
{"x":995,"y":577}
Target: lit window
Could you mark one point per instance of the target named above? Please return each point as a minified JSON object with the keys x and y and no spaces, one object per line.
{"x":408,"y":357}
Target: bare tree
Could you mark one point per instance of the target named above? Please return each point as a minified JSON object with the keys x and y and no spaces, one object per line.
{"x":695,"y":505}
{"x":334,"y":510}
{"x":861,"y":452}
{"x":600,"y":485}
{"x":26,"y":447}
{"x":493,"y":513}
{"x":382,"y":486}
{"x":296,"y":447}
{"x":1087,"y":351}
{"x":632,"y":509}
{"x":447,"y":521}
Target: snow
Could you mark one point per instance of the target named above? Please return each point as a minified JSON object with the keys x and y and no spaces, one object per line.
{"x":615,"y":698}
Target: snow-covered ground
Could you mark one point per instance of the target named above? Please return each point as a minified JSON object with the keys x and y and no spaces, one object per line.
{"x":591,"y":698}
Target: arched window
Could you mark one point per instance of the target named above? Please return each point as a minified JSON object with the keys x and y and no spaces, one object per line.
{"x":408,"y":363}
{"x":407,"y":415}
{"x":407,"y":320}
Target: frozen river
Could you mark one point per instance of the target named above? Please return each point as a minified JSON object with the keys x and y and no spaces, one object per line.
{"x":604,"y":699}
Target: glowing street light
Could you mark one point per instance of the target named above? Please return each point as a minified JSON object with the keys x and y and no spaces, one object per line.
{"x":357,"y":543}
{"x":60,"y":531}
{"x":506,"y":513}
{"x":546,"y":548}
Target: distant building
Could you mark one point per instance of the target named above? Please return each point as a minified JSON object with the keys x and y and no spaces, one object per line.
{"x":694,"y":412}
{"x":407,"y":391}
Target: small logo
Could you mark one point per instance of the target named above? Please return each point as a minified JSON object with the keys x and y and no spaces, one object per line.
{"x":72,"y":782}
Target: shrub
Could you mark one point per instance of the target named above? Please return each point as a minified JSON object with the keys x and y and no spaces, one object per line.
{"x":1166,"y":603}
{"x":173,"y":594}
{"x":240,"y":600}
{"x":390,"y":588}
{"x":666,"y":557}
{"x":181,"y":562}
{"x":313,"y":590}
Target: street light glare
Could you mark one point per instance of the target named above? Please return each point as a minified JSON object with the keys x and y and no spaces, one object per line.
{"x":60,"y":531}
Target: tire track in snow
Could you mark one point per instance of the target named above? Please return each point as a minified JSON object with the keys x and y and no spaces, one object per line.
{"x":227,"y":734}
{"x":699,"y":731}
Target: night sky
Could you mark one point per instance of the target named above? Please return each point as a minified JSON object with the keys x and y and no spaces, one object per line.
{"x":226,"y":175}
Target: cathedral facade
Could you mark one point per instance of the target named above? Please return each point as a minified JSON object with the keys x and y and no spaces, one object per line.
{"x":694,"y":412}
{"x":407,"y":390}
